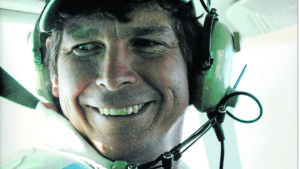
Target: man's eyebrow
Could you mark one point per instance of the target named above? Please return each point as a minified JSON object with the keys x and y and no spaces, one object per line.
{"x":82,"y":32}
{"x":156,"y":30}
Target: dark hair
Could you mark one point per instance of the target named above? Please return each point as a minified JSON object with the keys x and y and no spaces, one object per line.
{"x":184,"y":22}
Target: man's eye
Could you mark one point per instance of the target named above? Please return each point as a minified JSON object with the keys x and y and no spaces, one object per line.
{"x":88,"y":49}
{"x":144,"y":43}
{"x":149,"y":48}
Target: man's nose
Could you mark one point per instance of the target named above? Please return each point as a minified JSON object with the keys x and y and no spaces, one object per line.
{"x":116,"y":69}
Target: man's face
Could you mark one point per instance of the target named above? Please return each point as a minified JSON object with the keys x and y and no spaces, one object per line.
{"x":123,"y":85}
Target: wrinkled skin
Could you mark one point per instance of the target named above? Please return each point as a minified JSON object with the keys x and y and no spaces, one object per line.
{"x":104,"y":63}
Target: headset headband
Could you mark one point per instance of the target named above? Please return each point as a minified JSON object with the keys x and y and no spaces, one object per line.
{"x":43,"y":25}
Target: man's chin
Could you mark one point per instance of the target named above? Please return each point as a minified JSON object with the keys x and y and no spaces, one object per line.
{"x":131,"y":151}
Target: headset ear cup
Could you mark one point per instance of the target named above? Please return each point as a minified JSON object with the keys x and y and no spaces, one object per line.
{"x":212,"y":85}
{"x":42,"y":74}
{"x":200,"y":62}
{"x":43,"y":84}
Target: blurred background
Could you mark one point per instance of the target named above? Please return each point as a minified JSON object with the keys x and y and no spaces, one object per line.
{"x":269,"y":31}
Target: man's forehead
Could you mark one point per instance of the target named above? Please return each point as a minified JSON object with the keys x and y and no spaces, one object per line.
{"x":141,"y":23}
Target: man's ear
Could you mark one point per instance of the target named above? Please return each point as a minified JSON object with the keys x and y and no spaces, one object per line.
{"x":47,"y":43}
{"x":53,"y":78}
{"x":54,"y":81}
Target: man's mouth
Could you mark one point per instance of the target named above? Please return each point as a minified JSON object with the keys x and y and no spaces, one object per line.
{"x":121,"y":111}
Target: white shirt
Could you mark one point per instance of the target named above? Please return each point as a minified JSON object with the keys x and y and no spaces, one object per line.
{"x":61,"y":147}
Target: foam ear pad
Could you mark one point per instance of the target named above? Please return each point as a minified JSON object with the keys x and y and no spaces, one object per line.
{"x":211,"y":85}
{"x":42,"y":74}
{"x":43,"y":83}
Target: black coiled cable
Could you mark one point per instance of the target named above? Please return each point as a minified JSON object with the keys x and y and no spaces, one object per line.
{"x":219,"y":115}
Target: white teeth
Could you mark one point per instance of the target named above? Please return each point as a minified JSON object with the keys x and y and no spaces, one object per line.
{"x":113,"y":112}
{"x":129,"y":110}
{"x":106,"y":111}
{"x":122,"y":111}
{"x":135,"y":109}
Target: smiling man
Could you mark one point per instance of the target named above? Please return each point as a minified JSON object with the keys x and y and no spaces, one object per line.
{"x":123,"y":85}
{"x":119,"y":74}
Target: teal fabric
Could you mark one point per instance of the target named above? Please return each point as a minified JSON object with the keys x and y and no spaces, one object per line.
{"x":15,"y":92}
